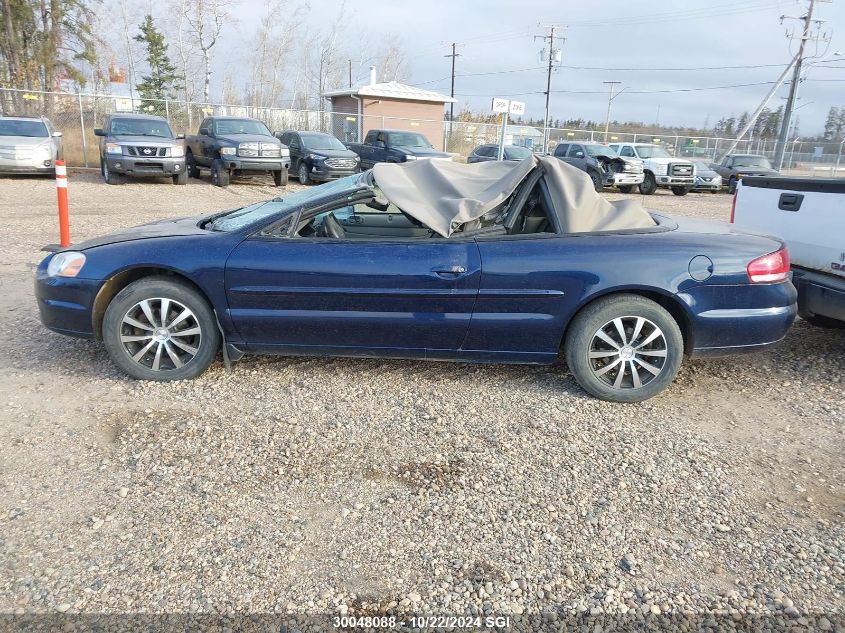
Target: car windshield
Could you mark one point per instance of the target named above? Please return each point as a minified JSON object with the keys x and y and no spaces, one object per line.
{"x":239,"y":218}
{"x":600,"y":150}
{"x":700,"y":165}
{"x":408,"y":139}
{"x":140,"y":127}
{"x":652,"y":151}
{"x":240,"y":126}
{"x":752,"y":161}
{"x":321,"y":141}
{"x":517,"y":153}
{"x":11,"y":127}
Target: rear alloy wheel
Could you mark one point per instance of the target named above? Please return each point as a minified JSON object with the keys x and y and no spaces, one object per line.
{"x":302,"y":174}
{"x":680,"y":191}
{"x":649,"y":185}
{"x":624,"y":348}
{"x":157,"y":329}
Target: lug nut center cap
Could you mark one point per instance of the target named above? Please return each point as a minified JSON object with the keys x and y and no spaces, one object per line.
{"x":161,"y":334}
{"x":627,"y":353}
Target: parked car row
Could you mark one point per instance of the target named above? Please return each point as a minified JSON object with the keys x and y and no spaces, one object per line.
{"x":28,"y":145}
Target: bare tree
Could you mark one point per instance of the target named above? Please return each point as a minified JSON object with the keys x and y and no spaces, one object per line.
{"x":206,"y":20}
{"x":270,"y":47}
{"x":391,"y":59}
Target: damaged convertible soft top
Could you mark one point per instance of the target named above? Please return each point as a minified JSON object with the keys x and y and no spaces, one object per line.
{"x":445,"y":195}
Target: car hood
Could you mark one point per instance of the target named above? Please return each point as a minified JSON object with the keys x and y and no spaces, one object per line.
{"x":756,"y":171}
{"x":173,"y":227}
{"x":25,"y":141}
{"x":236,"y":139}
{"x":152,"y":141}
{"x":424,"y":152}
{"x":332,"y":153}
{"x":705,"y":173}
{"x":666,"y":161}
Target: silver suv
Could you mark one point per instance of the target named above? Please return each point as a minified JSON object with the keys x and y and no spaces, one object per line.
{"x":28,"y":145}
{"x":140,"y":145}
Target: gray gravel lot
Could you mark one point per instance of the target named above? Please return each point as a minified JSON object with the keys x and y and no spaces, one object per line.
{"x":311,"y":486}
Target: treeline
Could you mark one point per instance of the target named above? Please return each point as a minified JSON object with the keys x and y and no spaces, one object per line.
{"x":834,"y":125}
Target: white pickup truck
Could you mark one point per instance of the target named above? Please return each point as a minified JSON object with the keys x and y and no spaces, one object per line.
{"x":809,"y":214}
{"x":661,"y":169}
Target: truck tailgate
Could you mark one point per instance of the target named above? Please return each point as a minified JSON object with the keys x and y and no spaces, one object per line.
{"x":808,"y":213}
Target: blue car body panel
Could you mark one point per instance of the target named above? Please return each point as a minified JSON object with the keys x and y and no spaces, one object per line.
{"x":489,"y":298}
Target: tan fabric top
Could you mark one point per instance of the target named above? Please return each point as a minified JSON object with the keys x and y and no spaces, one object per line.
{"x":443,"y":195}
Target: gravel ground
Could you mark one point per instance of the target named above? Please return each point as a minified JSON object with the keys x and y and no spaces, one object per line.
{"x":358,"y":487}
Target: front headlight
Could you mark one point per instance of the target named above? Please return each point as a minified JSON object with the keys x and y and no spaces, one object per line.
{"x":177,"y":151}
{"x":228,"y":151}
{"x":66,"y":264}
{"x":410,"y":157}
{"x":113,"y":148}
{"x":316,"y":157}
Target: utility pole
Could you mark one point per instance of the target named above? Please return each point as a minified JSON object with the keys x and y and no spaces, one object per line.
{"x":808,"y":21}
{"x":350,"y":73}
{"x":452,"y":92}
{"x":554,"y":55}
{"x":609,"y":101}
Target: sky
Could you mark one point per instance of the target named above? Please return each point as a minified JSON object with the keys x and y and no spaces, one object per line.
{"x":605,"y":40}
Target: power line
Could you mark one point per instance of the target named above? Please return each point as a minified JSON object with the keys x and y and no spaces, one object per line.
{"x":636,"y":92}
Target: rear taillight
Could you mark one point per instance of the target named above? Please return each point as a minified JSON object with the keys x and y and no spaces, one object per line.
{"x":733,"y":208}
{"x":771,"y":268}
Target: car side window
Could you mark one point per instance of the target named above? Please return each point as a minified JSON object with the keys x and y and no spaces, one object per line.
{"x":293,"y":142}
{"x":381,"y":137}
{"x":487,"y":150}
{"x":576,"y":151}
{"x":628,"y":151}
{"x":561,"y":149}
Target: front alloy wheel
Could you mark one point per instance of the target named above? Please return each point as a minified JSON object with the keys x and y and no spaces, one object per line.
{"x":160,"y":329}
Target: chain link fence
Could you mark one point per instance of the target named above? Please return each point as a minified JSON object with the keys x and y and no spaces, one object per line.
{"x":76,"y":115}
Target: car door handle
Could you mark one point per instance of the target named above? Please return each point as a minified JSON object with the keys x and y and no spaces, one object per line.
{"x":790,"y":201}
{"x":450,"y":271}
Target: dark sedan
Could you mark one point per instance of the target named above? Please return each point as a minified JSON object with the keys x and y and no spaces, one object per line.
{"x":318,"y":157}
{"x":490,"y":151}
{"x":496,"y":262}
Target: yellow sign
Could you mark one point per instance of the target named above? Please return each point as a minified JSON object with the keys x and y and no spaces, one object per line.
{"x":614,"y":138}
{"x":350,"y":118}
{"x":30,"y":97}
{"x":570,"y":133}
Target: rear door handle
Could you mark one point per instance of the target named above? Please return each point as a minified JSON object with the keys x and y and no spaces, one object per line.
{"x":790,"y":201}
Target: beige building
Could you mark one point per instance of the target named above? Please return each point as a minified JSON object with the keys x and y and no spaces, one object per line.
{"x":389,"y":105}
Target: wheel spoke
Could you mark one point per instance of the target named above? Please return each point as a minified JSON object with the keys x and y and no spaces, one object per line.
{"x":165,"y":308}
{"x":652,"y":352}
{"x":637,"y":329}
{"x":648,"y":366}
{"x":183,"y":346}
{"x":600,"y":334}
{"x":620,"y":375}
{"x":608,"y":367}
{"x":140,"y":354}
{"x":635,"y":375}
{"x":125,"y":338}
{"x":621,"y":329}
{"x":182,"y":316}
{"x":157,"y":359}
{"x":136,"y":323}
{"x":189,"y":332}
{"x":148,"y":312}
{"x":177,"y":362}
{"x":649,"y":338}
{"x":604,"y":354}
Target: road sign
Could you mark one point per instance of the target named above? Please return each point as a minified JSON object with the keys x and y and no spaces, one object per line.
{"x":517,"y":108}
{"x":500,"y":105}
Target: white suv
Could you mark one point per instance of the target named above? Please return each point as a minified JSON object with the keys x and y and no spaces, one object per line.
{"x":661,"y":168}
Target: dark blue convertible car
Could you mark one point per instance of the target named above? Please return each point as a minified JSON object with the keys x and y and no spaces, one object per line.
{"x":492,"y":262}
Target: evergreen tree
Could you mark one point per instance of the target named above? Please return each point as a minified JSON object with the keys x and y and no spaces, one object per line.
{"x":163,"y":80}
{"x":831,"y":124}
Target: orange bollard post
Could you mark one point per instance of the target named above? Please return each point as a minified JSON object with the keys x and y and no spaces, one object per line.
{"x":61,"y":192}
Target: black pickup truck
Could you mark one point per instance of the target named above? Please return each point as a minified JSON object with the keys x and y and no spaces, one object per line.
{"x":234,"y":146}
{"x":394,"y":146}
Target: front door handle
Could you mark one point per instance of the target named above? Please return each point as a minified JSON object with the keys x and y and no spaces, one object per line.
{"x":450,"y":271}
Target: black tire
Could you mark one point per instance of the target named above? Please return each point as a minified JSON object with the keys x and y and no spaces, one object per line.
{"x":280,"y":178}
{"x":626,"y":188}
{"x":191,"y":163}
{"x":596,"y":178}
{"x":681,"y":191}
{"x":824,"y":322}
{"x":302,"y":173}
{"x":649,"y":185}
{"x":153,"y":289}
{"x":181,"y":178}
{"x":732,"y":185}
{"x":109,"y":176}
{"x":582,"y":339}
{"x":219,"y":174}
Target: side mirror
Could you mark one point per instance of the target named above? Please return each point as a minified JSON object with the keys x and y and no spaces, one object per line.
{"x":204,"y":131}
{"x":98,"y":131}
{"x":57,"y":134}
{"x":180,"y":136}
{"x":378,"y":144}
{"x":579,"y":154}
